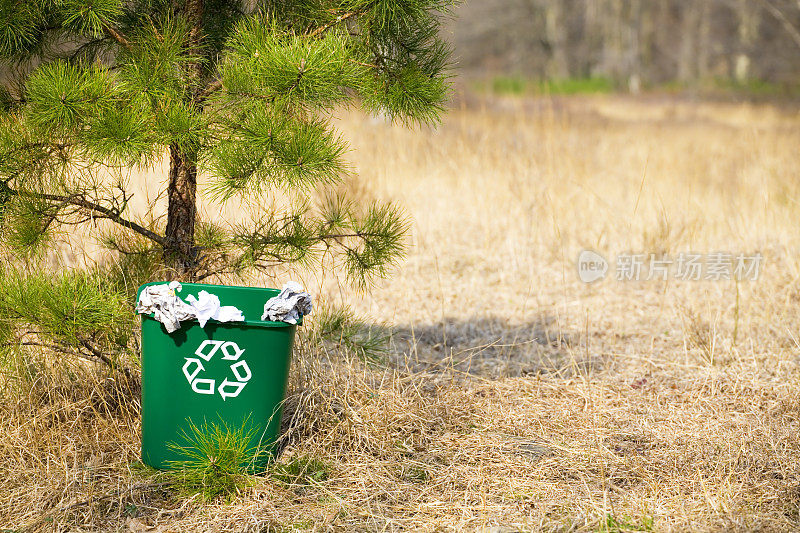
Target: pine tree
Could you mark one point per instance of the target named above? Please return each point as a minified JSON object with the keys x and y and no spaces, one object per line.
{"x":236,"y":92}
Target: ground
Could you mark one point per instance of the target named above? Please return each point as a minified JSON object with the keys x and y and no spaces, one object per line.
{"x":511,"y":395}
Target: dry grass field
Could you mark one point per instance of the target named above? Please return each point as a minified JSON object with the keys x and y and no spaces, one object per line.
{"x":512,"y":396}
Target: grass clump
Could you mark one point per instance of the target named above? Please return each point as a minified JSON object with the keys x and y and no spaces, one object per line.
{"x":341,"y":328}
{"x":416,"y":474}
{"x":301,"y":471}
{"x":218,"y":460}
{"x":625,"y":524}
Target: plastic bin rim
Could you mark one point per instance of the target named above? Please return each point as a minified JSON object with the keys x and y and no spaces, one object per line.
{"x":246,"y":322}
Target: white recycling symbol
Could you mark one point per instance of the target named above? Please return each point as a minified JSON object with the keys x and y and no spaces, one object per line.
{"x":231,"y":352}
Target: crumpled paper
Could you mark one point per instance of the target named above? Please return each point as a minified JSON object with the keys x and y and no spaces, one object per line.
{"x":170,"y":310}
{"x":288,"y":306}
{"x":165,"y":305}
{"x":207,"y":306}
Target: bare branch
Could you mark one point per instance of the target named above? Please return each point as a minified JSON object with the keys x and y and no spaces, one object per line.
{"x":96,"y":210}
{"x":97,"y":353}
{"x":93,"y":356}
{"x":117,"y":36}
{"x":334,"y":22}
{"x":783,"y":19}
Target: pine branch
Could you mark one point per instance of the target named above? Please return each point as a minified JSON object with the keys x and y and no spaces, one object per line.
{"x":337,"y":20}
{"x":117,"y":36}
{"x":93,"y":355}
{"x":210,"y":89}
{"x":97,"y":353}
{"x":363,"y":64}
{"x":93,"y":208}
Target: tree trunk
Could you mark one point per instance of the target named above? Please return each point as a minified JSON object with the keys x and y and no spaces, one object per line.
{"x":648,"y":40}
{"x":633,"y":45}
{"x":704,"y":46}
{"x":180,"y":252}
{"x":613,"y":47}
{"x":556,"y":32}
{"x":749,"y":20}
{"x":687,"y":58}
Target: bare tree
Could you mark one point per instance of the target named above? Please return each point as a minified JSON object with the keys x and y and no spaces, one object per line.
{"x":749,"y":14}
{"x":556,"y":32}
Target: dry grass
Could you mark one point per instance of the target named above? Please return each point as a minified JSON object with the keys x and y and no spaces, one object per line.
{"x":515,"y":396}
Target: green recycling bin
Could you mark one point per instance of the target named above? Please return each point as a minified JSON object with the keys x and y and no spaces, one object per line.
{"x":226,"y":373}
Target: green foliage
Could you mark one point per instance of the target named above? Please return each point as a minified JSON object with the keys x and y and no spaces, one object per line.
{"x":408,"y":94}
{"x":509,"y":85}
{"x":218,"y":458}
{"x":22,"y":157}
{"x":27,"y":225}
{"x":411,"y":82}
{"x":182,"y":126}
{"x":596,"y":85}
{"x":380,"y":243}
{"x":90,"y":17}
{"x":516,"y":85}
{"x":61,"y":97}
{"x":72,"y":313}
{"x":19,"y":23}
{"x":623,"y":524}
{"x":301,"y":471}
{"x":371,"y":240}
{"x":268,"y":62}
{"x":519,"y":86}
{"x":755,"y":87}
{"x":266,"y":146}
{"x":152,"y":66}
{"x":121,"y":135}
